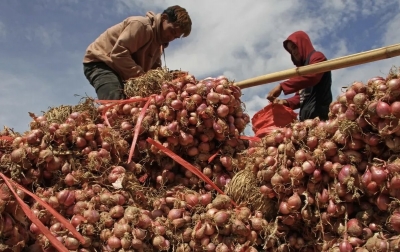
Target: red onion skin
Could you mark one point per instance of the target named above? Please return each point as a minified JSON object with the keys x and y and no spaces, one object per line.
{"x":393,"y":84}
{"x":66,"y":197}
{"x":354,"y":227}
{"x":383,"y":201}
{"x":344,"y":161}
{"x":383,"y":109}
{"x":294,"y":202}
{"x":395,"y":182}
{"x":395,"y":108}
{"x":308,"y":167}
{"x":394,"y":221}
{"x":350,"y":93}
{"x":378,"y":174}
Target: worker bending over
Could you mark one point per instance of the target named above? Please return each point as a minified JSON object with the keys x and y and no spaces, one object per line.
{"x":131,"y":48}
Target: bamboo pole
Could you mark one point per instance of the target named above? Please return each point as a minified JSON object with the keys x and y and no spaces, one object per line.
{"x":333,"y":64}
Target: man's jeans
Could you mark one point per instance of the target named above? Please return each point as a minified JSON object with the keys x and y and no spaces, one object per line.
{"x":107,"y":83}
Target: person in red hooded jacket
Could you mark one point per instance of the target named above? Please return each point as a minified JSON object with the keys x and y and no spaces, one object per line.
{"x":313,"y":93}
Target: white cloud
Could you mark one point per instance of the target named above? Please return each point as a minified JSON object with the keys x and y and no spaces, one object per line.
{"x":392,"y":35}
{"x":246,"y":40}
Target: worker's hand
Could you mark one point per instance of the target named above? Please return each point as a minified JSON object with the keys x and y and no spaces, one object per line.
{"x":281,"y":101}
{"x":274,"y":93}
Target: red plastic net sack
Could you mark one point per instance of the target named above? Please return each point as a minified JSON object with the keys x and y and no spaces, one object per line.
{"x":270,"y":117}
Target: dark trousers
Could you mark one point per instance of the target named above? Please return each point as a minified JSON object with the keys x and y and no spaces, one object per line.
{"x":105,"y":80}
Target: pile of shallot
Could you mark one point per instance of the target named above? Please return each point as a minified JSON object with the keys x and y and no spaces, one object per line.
{"x":336,"y":182}
{"x":201,"y":121}
{"x":13,"y":224}
{"x":79,"y":167}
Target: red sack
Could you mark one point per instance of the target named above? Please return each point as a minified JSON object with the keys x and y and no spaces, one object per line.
{"x":270,"y":117}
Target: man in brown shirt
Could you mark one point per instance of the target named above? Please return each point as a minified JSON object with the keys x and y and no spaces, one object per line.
{"x":131,"y":48}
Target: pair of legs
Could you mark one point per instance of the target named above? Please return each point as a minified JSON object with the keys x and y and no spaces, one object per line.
{"x":105,"y":80}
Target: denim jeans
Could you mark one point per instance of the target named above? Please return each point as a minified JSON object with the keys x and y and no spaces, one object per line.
{"x":105,"y":80}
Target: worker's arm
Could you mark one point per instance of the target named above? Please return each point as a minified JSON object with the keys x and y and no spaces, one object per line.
{"x":298,"y":83}
{"x":134,"y":36}
{"x":294,"y":102}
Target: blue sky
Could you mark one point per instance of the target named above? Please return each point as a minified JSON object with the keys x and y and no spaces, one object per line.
{"x":42,"y":43}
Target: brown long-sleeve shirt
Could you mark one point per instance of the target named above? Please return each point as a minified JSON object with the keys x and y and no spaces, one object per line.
{"x":131,"y":47}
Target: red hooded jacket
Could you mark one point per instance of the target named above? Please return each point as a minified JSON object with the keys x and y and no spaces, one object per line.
{"x":321,"y":95}
{"x":295,"y":84}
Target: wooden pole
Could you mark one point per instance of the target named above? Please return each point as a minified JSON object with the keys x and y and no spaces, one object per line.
{"x":333,"y":64}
